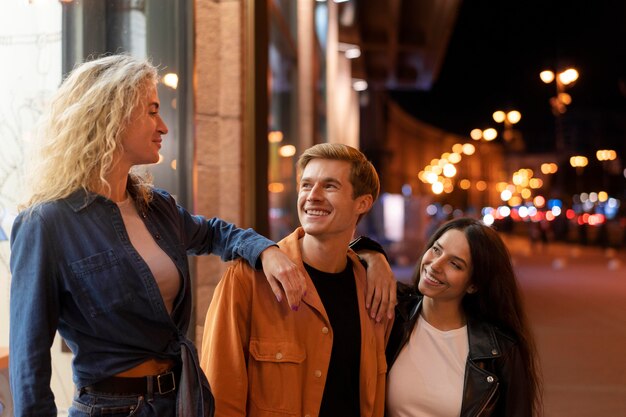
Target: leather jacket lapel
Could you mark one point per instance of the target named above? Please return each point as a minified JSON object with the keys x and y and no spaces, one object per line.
{"x":481,"y":385}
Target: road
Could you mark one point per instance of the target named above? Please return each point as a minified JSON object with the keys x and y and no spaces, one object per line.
{"x":576,"y":302}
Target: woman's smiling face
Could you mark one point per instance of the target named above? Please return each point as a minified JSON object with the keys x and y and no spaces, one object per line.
{"x":142,"y":137}
{"x":446,"y":268}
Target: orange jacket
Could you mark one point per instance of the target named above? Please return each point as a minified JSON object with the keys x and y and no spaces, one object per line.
{"x":263,"y":359}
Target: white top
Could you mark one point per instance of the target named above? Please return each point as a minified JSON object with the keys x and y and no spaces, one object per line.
{"x":427,"y":378}
{"x":162,"y":267}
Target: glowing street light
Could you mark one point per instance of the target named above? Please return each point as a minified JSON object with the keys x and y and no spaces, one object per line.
{"x":509,"y":119}
{"x":563,"y":80}
{"x":561,"y":100}
{"x":449,"y":170}
{"x":549,"y":168}
{"x":578,"y":161}
{"x":568,"y":76}
{"x":606,"y":155}
{"x":469,"y":149}
{"x":546,"y":76}
{"x":488,"y":134}
{"x":476,"y":134}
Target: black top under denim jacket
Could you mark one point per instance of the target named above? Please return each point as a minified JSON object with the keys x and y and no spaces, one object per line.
{"x":495,"y":376}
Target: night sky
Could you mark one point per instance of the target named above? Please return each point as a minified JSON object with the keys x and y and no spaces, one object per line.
{"x":493,"y":62}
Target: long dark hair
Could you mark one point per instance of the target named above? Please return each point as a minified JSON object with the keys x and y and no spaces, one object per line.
{"x":497,"y":300}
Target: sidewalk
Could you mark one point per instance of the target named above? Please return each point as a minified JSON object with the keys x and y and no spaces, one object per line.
{"x":574,"y":297}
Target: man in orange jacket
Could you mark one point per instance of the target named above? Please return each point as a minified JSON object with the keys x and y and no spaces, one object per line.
{"x":328,"y":358}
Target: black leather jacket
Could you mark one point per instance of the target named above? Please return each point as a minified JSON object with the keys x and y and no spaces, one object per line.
{"x":495,"y":377}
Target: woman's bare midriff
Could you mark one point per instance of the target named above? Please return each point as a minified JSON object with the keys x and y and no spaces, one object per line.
{"x":150,"y":367}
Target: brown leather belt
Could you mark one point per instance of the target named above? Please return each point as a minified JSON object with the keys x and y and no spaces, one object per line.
{"x":147,"y":385}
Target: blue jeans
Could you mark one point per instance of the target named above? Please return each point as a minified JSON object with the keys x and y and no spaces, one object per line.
{"x":109,"y":405}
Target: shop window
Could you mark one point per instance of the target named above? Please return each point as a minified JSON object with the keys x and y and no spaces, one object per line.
{"x":157,"y":30}
{"x":285,"y":110}
{"x":40,"y":41}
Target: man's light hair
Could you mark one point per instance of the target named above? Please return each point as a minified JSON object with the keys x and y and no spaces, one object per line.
{"x":363,"y":175}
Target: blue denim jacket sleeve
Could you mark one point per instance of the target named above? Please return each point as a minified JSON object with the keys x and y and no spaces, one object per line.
{"x":34,"y":313}
{"x":219,"y":237}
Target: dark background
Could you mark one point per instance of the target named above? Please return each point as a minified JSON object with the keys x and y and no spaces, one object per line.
{"x":495,"y":55}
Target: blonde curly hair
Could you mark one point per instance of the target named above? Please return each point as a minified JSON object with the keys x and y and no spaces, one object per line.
{"x":79,"y":136}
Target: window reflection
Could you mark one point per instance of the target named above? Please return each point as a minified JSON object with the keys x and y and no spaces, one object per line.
{"x":283,"y":116}
{"x":287,"y":114}
{"x":40,"y":40}
{"x":30,"y":40}
{"x":30,"y":49}
{"x":152,"y":29}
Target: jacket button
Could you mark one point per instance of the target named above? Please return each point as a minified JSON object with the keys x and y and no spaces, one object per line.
{"x":490,"y":379}
{"x":157,"y":236}
{"x":494,"y":352}
{"x":325,"y":330}
{"x":318,"y":373}
{"x":279,"y":356}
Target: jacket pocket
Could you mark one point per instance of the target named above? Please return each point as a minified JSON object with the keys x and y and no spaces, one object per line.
{"x":102,"y":283}
{"x":109,"y":405}
{"x":276,"y":372}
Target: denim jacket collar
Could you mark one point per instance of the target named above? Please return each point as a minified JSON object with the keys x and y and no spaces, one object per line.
{"x":80,"y":199}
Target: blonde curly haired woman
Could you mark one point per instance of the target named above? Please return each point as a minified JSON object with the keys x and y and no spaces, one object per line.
{"x":101,"y":256}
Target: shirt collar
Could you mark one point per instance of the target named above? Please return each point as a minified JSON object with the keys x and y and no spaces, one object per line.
{"x":483,"y":343}
{"x":80,"y":199}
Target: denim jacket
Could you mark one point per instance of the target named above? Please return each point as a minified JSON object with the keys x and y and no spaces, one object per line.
{"x":74,"y":270}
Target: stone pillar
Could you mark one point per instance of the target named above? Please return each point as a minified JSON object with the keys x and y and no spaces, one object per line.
{"x":218,"y":107}
{"x":231,"y":152}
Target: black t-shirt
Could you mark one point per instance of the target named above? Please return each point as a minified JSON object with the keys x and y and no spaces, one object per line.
{"x":339,"y":297}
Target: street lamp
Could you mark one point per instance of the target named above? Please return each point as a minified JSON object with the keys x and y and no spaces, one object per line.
{"x":509,"y":119}
{"x":561,"y":100}
{"x":578,"y":161}
{"x":606,"y":155}
{"x":487,"y":134}
{"x":563,"y":79}
{"x":608,"y":159}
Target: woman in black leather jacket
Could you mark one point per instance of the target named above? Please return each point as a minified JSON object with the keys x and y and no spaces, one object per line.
{"x":461,"y":344}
